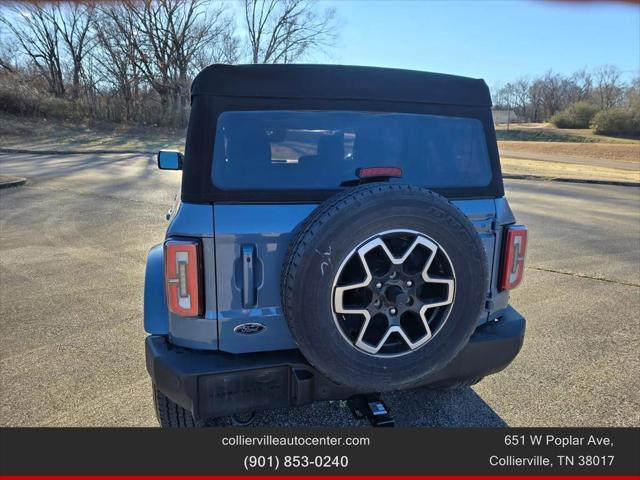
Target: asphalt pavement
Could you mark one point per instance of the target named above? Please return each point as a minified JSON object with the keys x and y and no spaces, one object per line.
{"x":73,"y":243}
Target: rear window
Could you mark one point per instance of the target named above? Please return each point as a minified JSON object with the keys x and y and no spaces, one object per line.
{"x":264,"y":150}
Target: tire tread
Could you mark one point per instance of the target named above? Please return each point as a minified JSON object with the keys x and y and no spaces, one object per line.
{"x":170,"y":414}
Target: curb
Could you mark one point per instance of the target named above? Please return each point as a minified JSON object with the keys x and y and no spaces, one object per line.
{"x":617,"y":183}
{"x":8,"y":182}
{"x":75,"y":152}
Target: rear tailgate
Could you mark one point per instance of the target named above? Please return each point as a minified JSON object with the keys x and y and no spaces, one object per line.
{"x":251,"y":242}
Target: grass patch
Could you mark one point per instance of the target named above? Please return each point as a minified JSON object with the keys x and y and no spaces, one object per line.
{"x":601,"y":151}
{"x":56,"y":135}
{"x":541,"y":135}
{"x":546,"y":132}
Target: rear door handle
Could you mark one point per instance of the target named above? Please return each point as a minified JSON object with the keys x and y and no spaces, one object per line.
{"x":248,"y":276}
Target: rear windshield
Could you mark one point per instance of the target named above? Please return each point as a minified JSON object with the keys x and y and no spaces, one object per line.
{"x":264,"y":150}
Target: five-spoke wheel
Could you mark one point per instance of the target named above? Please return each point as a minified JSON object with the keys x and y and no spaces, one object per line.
{"x":393,"y":293}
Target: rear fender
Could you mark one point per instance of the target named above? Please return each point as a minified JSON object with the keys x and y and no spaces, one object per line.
{"x":156,"y":314}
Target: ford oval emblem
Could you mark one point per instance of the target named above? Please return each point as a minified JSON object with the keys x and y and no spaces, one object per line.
{"x":249,"y":328}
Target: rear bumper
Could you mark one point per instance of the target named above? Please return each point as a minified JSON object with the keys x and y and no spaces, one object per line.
{"x":215,"y":384}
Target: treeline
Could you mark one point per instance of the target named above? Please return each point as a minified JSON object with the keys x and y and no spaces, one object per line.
{"x":597,"y":98}
{"x":133,"y":61}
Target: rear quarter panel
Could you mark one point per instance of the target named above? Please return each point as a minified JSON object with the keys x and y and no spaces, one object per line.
{"x":196,"y":221}
{"x":156,"y":314}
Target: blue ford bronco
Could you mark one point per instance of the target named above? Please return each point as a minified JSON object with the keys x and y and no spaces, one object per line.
{"x":340,"y":232}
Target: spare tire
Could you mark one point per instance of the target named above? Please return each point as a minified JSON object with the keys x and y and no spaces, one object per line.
{"x":383,"y":285}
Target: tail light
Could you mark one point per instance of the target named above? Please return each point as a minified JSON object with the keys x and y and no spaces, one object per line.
{"x":182,"y":277}
{"x":515,"y":248}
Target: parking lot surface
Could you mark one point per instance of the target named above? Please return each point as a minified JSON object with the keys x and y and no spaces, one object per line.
{"x":73,"y":243}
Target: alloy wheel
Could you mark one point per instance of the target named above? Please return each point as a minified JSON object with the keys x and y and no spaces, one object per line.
{"x":393,"y":293}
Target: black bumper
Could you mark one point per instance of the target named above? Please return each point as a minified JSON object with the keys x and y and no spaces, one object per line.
{"x":215,"y":384}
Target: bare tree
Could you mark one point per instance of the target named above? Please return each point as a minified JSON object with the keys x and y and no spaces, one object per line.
{"x":193,"y":28}
{"x":608,"y":89}
{"x":583,"y":82}
{"x":536,"y":107}
{"x":226,"y":49}
{"x":538,"y":99}
{"x":73,"y":22}
{"x":152,"y":46}
{"x":7,"y":55}
{"x":285,"y":31}
{"x":165,"y":37}
{"x":505,"y":97}
{"x":521,"y":97}
{"x":633,"y":95}
{"x":35,"y":29}
{"x":5,"y":64}
{"x":115,"y":30}
{"x":133,"y":60}
{"x":549,"y":94}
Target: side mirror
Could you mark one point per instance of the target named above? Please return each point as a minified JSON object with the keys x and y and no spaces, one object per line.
{"x":170,"y":160}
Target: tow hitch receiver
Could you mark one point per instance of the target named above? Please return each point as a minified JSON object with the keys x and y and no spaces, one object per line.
{"x":372,"y":408}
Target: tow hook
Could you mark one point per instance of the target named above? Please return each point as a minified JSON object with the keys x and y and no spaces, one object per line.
{"x":372,"y":408}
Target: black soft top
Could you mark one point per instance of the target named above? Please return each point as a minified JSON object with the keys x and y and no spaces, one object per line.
{"x":340,"y":82}
{"x":222,"y":88}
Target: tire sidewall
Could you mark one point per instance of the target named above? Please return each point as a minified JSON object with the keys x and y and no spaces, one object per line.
{"x":315,"y":328}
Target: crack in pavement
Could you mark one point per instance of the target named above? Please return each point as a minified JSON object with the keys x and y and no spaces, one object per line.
{"x":582,"y":275}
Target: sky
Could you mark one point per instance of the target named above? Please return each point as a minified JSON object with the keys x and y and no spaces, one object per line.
{"x":498,"y":40}
{"x":495,"y":40}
